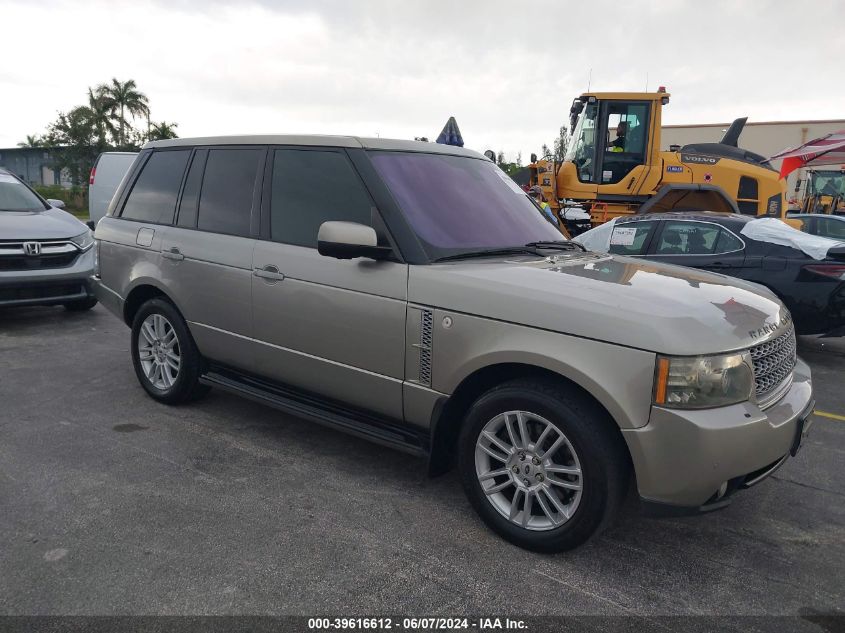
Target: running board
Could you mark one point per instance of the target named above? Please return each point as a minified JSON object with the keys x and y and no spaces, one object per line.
{"x":314,"y":409}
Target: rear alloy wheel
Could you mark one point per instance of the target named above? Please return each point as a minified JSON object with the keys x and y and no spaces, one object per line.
{"x":159,"y":352}
{"x":529,"y":470}
{"x":166,"y":359}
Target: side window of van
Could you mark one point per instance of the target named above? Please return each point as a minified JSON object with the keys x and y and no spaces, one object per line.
{"x":225,"y":202}
{"x":153,"y":196}
{"x":310,"y":187}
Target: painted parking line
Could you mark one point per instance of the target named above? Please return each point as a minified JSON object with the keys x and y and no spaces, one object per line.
{"x":832,"y":416}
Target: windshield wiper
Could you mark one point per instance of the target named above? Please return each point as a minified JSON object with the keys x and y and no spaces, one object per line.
{"x":491,"y":252}
{"x":559,"y":245}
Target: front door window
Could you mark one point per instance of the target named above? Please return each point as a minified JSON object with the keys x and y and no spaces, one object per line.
{"x":625,"y":125}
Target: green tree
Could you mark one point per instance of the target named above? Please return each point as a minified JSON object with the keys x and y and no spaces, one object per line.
{"x":32,"y":140}
{"x":162,"y":130}
{"x":73,"y":142}
{"x":100,"y":107}
{"x":78,"y":136}
{"x":122,"y":98}
{"x":561,"y":143}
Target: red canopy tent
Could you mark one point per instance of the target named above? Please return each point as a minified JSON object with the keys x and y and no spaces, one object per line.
{"x":825,"y":150}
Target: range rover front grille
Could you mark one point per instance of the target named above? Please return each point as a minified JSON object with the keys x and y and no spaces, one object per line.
{"x":773,"y":362}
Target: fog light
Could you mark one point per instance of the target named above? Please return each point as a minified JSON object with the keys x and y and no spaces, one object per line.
{"x":722,"y":490}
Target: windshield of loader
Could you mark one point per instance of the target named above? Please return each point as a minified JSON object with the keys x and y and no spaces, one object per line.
{"x":582,"y":143}
{"x":827,"y":183}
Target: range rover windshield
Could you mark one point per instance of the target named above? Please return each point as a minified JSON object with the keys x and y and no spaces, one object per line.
{"x":458,"y":204}
{"x":15,"y":196}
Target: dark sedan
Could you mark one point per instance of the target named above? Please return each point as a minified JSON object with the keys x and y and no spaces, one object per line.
{"x":812,"y":289}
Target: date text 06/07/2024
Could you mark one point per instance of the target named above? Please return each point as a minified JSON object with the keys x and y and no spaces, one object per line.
{"x":416,"y":624}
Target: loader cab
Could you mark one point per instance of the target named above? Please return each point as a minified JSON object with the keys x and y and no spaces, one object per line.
{"x":824,"y":191}
{"x":611,"y":143}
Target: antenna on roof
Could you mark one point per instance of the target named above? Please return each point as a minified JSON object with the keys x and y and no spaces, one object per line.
{"x":646,"y":81}
{"x":589,"y":79}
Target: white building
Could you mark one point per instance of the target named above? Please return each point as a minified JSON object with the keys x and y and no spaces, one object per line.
{"x":765,"y":138}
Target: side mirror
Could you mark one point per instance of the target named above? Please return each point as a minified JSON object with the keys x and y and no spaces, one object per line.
{"x":490,"y":154}
{"x":348,"y":240}
{"x":533,"y":158}
{"x":55,"y":203}
{"x":91,"y":225}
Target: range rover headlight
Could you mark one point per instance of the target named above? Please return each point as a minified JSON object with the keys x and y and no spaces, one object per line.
{"x":84,"y":240}
{"x":703,"y":382}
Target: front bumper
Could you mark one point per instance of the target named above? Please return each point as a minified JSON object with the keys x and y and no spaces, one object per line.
{"x":691,"y":461}
{"x":49,"y":286}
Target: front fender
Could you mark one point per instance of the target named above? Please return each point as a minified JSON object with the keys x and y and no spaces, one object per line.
{"x":620,"y":378}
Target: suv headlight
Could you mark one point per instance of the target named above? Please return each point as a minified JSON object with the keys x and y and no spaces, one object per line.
{"x":703,"y":382}
{"x":84,"y":241}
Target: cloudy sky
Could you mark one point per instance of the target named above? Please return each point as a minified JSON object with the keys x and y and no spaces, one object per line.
{"x":399,"y":68}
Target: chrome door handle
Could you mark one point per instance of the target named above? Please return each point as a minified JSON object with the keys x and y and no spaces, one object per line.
{"x":270,"y":273}
{"x":173,"y":254}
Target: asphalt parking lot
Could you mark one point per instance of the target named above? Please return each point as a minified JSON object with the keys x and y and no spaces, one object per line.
{"x":113,"y":504}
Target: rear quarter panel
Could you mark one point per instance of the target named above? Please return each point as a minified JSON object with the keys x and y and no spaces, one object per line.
{"x":124,"y":264}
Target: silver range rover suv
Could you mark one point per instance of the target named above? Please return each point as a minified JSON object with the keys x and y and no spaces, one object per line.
{"x":411,"y":294}
{"x":46,"y":254}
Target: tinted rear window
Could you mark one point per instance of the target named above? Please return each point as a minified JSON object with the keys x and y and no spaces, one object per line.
{"x":227,"y":189}
{"x":153,"y":197}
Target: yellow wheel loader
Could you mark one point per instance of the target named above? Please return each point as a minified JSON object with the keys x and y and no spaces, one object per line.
{"x":614,"y":165}
{"x":824,"y":191}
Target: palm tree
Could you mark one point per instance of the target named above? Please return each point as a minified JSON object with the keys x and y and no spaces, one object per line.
{"x":100,"y":107}
{"x":162,"y":130}
{"x":124,"y":97}
{"x":32,"y":140}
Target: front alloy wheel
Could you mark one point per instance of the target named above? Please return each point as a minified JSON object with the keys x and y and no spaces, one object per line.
{"x":528,"y":470}
{"x":542,"y":463}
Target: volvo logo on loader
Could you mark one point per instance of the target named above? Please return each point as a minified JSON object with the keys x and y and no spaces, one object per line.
{"x":698,"y":159}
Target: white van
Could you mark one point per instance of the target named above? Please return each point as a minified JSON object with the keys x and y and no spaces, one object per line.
{"x":106,"y":174}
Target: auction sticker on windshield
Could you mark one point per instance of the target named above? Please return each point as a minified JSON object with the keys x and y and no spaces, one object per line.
{"x":622,"y":236}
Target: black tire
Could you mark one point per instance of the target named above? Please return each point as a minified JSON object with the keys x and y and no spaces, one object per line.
{"x":186,"y":386}
{"x":81,"y":305}
{"x":605,"y":464}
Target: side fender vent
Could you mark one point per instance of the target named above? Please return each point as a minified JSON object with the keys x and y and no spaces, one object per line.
{"x":426,"y":334}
